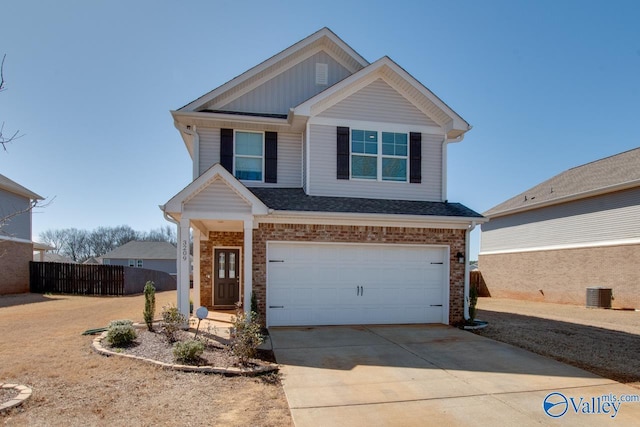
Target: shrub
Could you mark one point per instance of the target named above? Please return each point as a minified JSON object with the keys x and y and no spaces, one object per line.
{"x":173,"y":321}
{"x":121,"y":333}
{"x":246,"y":336}
{"x":188,"y":351}
{"x":149,"y":304}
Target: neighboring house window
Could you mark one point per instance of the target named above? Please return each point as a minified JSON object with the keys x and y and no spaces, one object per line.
{"x":249,"y":156}
{"x":379,"y":155}
{"x":106,"y":261}
{"x":135,"y":263}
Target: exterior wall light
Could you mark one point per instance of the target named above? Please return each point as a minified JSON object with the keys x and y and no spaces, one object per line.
{"x":460,"y":257}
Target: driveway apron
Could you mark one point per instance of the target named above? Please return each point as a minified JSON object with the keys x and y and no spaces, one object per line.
{"x":433,"y":375}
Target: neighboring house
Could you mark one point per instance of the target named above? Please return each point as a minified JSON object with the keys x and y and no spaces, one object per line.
{"x":16,"y":246}
{"x":319,"y":185}
{"x":159,"y":256}
{"x":52,"y":257}
{"x":576,"y":230}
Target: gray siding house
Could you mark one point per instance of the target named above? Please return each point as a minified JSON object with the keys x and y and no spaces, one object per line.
{"x":159,"y":256}
{"x":16,"y":246}
{"x":576,"y":230}
{"x":319,"y":186}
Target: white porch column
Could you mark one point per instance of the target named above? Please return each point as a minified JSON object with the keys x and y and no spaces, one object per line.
{"x":197,"y":235}
{"x":183,"y":267}
{"x":248,"y":264}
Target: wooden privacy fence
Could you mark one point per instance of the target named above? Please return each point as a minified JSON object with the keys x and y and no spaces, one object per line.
{"x":477,"y":281}
{"x":93,"y":279}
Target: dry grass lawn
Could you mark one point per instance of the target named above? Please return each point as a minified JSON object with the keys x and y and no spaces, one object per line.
{"x":605,"y":342}
{"x":41,"y":346}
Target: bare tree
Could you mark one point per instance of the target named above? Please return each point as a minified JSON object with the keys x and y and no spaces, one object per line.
{"x":5,"y":139}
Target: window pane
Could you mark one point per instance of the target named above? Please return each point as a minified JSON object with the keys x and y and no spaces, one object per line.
{"x":221,"y":257}
{"x":371,"y":147}
{"x":357,"y":147}
{"x":249,"y":168}
{"x":394,"y":169}
{"x":394,"y":144}
{"x":232,"y":265}
{"x":364,"y":167}
{"x":357,"y":135}
{"x":248,"y":144}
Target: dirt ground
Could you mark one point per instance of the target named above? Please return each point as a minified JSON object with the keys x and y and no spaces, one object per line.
{"x":41,"y":346}
{"x":605,"y":342}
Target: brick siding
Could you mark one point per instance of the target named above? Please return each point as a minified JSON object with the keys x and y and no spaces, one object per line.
{"x":14,"y":266}
{"x":216,"y":239}
{"x":562,"y":276}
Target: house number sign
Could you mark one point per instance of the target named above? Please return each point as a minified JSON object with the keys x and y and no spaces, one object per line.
{"x":185,"y":250}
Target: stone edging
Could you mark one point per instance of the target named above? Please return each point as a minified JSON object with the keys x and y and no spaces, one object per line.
{"x":97,"y":346}
{"x":24,"y":394}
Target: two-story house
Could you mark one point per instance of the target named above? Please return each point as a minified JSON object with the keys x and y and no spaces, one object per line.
{"x":319,"y":185}
{"x":16,"y":246}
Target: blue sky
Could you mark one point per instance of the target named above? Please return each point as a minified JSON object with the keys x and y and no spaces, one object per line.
{"x":547,"y":85}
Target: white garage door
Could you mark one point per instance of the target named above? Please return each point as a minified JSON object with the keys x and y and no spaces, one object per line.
{"x":342,"y":284}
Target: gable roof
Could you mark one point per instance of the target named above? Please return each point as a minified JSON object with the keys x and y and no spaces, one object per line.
{"x":295,"y":199}
{"x":400,"y":80}
{"x":143,"y":250}
{"x":14,"y":187}
{"x":614,"y":173}
{"x":278,"y":63}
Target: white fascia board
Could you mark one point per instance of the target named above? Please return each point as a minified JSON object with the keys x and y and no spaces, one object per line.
{"x":570,"y":198}
{"x":176,"y":203}
{"x":388,"y":127}
{"x":191,"y":116}
{"x":15,"y":239}
{"x":324,"y":32}
{"x":339,"y":218}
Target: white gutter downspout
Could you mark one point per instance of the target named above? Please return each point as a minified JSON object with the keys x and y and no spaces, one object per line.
{"x":467,"y":250}
{"x":446,"y":141}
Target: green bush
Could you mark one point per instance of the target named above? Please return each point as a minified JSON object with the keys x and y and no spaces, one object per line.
{"x":149,"y":304}
{"x":246,"y":336}
{"x":188,"y":351}
{"x":121,"y":333}
{"x":173,"y":321}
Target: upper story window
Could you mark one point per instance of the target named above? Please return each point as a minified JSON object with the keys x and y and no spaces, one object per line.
{"x":379,"y":155}
{"x":249,"y":156}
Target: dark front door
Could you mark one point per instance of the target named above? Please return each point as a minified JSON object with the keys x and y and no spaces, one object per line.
{"x":226,"y":283}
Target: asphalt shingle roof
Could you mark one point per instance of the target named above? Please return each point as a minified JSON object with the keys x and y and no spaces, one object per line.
{"x":295,"y":199}
{"x":601,"y":174}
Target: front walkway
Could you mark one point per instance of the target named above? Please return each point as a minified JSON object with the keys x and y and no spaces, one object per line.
{"x":434,"y":375}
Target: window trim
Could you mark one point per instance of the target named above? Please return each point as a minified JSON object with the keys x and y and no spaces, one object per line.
{"x":379,"y":156}
{"x":262,"y":157}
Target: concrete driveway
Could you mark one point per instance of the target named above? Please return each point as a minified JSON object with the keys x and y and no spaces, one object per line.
{"x":435,"y":375}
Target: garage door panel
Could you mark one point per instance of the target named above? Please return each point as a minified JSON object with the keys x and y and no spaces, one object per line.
{"x":330,"y":284}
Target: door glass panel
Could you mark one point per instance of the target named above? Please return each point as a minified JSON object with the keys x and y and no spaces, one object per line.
{"x":221,"y":262}
{"x":232,"y":265}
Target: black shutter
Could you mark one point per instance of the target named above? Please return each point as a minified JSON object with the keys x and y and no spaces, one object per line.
{"x":415,"y":157}
{"x":271,"y":157}
{"x":343,"y":153}
{"x":226,"y":149}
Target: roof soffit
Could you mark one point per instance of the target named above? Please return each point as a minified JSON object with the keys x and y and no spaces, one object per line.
{"x":324,"y":39}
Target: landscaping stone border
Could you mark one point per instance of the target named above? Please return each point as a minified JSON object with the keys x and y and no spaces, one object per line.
{"x":24,"y":393}
{"x":97,"y":346}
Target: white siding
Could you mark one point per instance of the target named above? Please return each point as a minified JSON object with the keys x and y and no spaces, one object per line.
{"x":218,"y":197}
{"x":323,"y":181}
{"x":378,"y":102}
{"x":289,"y":156}
{"x":18,"y":226}
{"x":608,"y":218}
{"x":289,"y":88}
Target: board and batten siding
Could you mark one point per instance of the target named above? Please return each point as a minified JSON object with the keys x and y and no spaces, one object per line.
{"x":378,"y":102}
{"x":323,"y":181}
{"x":18,"y":226}
{"x":609,"y":218}
{"x":289,"y":157}
{"x":289,"y":88}
{"x":218,"y":197}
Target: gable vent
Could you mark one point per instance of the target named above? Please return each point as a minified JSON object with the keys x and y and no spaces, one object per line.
{"x":322,"y":74}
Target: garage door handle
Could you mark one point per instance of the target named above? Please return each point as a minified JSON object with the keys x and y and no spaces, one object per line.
{"x":361,"y":290}
{"x":276,"y":306}
{"x":436,"y":305}
{"x":437,"y":263}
